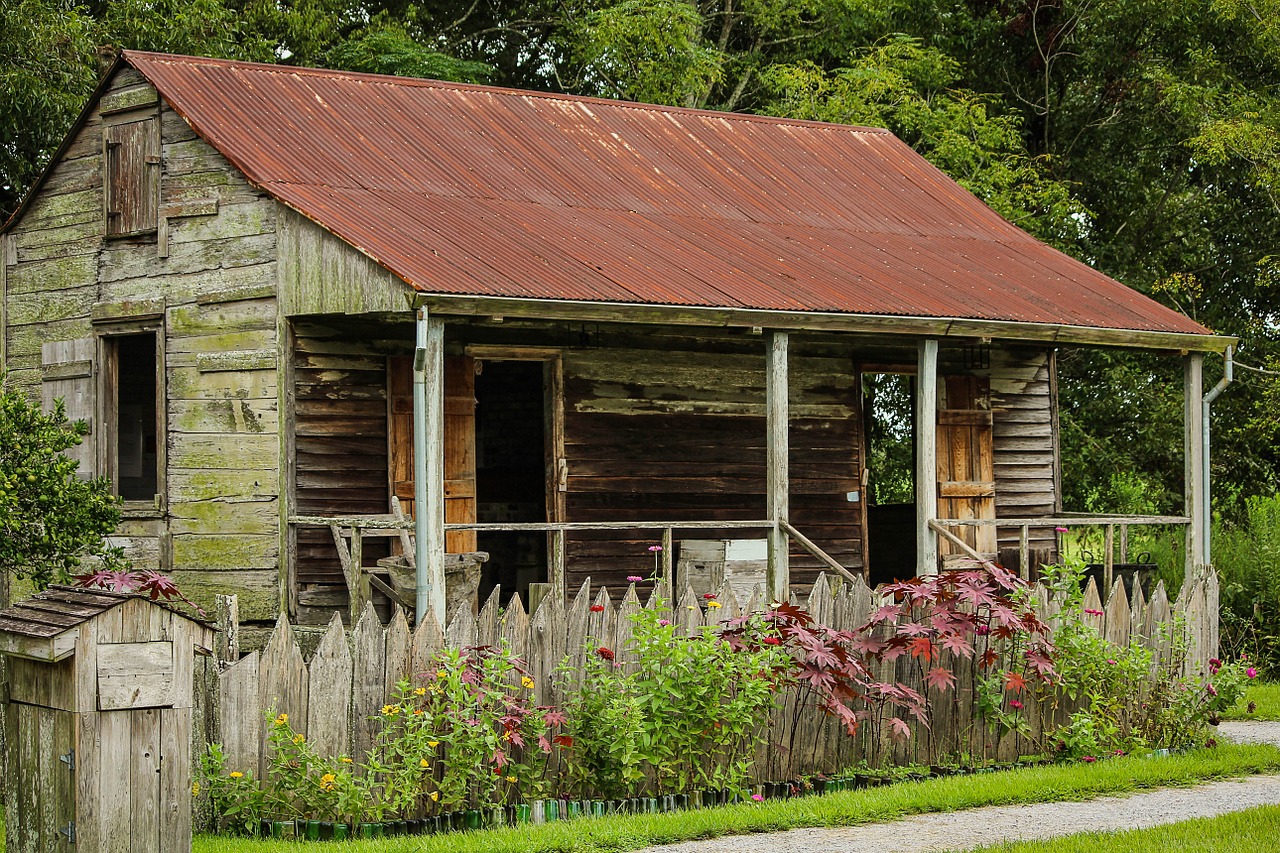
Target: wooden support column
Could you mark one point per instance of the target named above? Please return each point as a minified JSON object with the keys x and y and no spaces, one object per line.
{"x":428,"y":462}
{"x":926,"y":456}
{"x":1193,"y":458}
{"x":777,"y":477}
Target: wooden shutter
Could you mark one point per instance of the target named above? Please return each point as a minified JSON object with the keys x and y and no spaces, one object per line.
{"x":67,"y":368}
{"x":132,"y":176}
{"x":459,"y":443}
{"x":966,"y":468}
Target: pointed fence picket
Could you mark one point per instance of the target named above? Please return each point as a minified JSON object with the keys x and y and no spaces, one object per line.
{"x":335,"y":695}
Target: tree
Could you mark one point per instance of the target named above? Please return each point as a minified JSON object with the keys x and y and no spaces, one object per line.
{"x":50,"y":518}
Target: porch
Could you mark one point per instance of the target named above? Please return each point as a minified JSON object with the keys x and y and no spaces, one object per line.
{"x":570,"y":450}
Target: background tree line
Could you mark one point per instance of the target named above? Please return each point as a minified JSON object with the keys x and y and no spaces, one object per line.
{"x":1137,"y":135}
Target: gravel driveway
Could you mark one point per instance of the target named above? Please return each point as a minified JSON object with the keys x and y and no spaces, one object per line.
{"x":964,"y":830}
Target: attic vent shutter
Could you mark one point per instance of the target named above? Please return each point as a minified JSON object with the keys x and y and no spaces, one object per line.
{"x":966,"y":465}
{"x":131,"y":160}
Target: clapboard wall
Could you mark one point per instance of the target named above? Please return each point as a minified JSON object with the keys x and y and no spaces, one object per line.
{"x":205,"y":277}
{"x":657,"y":435}
{"x":1024,"y":443}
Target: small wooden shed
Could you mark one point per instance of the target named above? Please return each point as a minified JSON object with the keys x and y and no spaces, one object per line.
{"x":98,"y":722}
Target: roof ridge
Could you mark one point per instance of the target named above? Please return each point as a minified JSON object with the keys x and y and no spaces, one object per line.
{"x":432,"y":83}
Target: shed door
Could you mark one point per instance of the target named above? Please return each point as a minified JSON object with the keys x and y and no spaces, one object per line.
{"x":459,"y":443}
{"x":40,"y":791}
{"x":966,"y":468}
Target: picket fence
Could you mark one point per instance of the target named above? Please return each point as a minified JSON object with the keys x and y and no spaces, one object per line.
{"x":335,"y":695}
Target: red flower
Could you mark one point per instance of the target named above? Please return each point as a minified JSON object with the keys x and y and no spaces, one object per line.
{"x":708,"y":595}
{"x":771,"y":641}
{"x":597,"y":608}
{"x":605,"y":653}
{"x":1088,"y":759}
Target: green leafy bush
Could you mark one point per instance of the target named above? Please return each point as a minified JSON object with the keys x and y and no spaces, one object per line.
{"x":50,"y":518}
{"x":1247,"y":558}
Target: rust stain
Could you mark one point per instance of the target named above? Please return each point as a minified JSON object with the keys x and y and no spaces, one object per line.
{"x":476,"y":190}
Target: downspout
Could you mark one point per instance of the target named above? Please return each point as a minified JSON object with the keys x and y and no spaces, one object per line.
{"x":1228,"y":373}
{"x":421,"y":550}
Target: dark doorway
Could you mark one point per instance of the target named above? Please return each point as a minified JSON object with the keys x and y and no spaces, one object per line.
{"x":511,"y":473}
{"x":889,"y":409}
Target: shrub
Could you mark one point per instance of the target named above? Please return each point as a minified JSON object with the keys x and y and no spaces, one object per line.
{"x":50,"y":518}
{"x":1247,"y":557}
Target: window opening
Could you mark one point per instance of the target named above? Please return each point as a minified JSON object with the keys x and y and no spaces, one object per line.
{"x":135,"y":459}
{"x":889,"y":407}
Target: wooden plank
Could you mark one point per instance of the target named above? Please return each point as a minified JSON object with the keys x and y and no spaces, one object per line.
{"x":115,"y":744}
{"x":428,"y":639}
{"x":240,"y":715}
{"x":777,"y":477}
{"x":144,"y":783}
{"x":398,"y":640}
{"x":926,"y":455}
{"x":368,"y":666}
{"x":282,"y":681}
{"x":1193,"y":462}
{"x":329,"y":698}
{"x":429,"y":472}
{"x":174,"y":829}
{"x":137,"y":675}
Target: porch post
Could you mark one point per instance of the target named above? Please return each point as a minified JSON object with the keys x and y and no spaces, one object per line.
{"x":926,"y":455}
{"x":1194,"y":459}
{"x":428,"y":466}
{"x":777,"y":475}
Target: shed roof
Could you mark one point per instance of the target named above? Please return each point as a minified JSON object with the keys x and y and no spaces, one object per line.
{"x":52,"y":613}
{"x":479,"y":191}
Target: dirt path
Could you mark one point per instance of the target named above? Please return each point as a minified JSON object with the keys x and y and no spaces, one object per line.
{"x":964,"y":830}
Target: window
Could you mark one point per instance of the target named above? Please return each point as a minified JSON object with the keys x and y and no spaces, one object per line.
{"x":132,"y":400}
{"x":131,"y":175}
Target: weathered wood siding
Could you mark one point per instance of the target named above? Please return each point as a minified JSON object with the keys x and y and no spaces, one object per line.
{"x":321,"y":274}
{"x":208,"y":270}
{"x":1025,"y":447}
{"x":661,"y":435}
{"x":340,"y":438}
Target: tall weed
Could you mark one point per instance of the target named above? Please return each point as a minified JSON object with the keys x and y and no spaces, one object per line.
{"x":1247,"y":557}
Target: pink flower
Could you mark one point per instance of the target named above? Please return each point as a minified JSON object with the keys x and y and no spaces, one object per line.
{"x":1211,"y":690}
{"x":1060,"y":529}
{"x":634,"y":578}
{"x":1092,"y":612}
{"x":983,"y":630}
{"x":757,"y":798}
{"x":1088,"y":759}
{"x":1251,"y":672}
{"x":1214,"y":666}
{"x":653,"y":549}
{"x":1111,"y":661}
{"x":1015,"y":705}
{"x":664,"y":622}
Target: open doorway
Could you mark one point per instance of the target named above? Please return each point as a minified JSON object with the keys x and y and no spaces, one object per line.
{"x":889,"y":410}
{"x":511,"y":471}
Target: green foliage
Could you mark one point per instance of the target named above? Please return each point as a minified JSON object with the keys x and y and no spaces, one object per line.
{"x":669,"y":713}
{"x":1247,"y":558}
{"x":236,"y":802}
{"x":50,"y":519}
{"x":387,"y":48}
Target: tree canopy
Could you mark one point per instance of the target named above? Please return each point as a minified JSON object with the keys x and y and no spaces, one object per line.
{"x":1140,"y":136}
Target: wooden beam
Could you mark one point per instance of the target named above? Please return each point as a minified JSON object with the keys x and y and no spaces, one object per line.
{"x":777,"y":474}
{"x":622,"y":312}
{"x":428,"y":415}
{"x":827,"y":559}
{"x":964,"y":546}
{"x":926,"y":456}
{"x":1193,"y":458}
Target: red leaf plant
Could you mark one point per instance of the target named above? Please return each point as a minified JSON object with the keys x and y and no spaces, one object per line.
{"x":151,"y":583}
{"x":941,"y":630}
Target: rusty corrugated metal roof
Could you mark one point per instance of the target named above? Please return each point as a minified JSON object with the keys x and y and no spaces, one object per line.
{"x":481,"y":191}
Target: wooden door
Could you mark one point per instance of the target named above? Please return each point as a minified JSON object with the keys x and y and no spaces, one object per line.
{"x":966,"y":467}
{"x":459,"y":443}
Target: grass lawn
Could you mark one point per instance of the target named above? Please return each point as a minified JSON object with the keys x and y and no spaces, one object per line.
{"x":847,"y":808}
{"x":1267,"y":697}
{"x":1253,"y":830}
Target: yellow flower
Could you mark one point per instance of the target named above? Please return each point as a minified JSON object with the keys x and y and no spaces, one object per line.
{"x":713,"y":604}
{"x":440,"y":673}
{"x":435,"y":796}
{"x":433,"y":743}
{"x":345,"y":760}
{"x":511,"y":778}
{"x":693,"y":607}
{"x":421,"y":691}
{"x":281,"y":719}
{"x":422,"y":762}
{"x":327,"y":781}
{"x":195,"y":789}
{"x":235,"y":774}
{"x":527,"y":682}
{"x":390,"y":710}
{"x":298,"y":738}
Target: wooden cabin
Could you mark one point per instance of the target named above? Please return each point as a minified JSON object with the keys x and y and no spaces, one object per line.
{"x":633,"y":326}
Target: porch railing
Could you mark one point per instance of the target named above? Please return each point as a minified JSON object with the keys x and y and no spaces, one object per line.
{"x":1024,"y":525}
